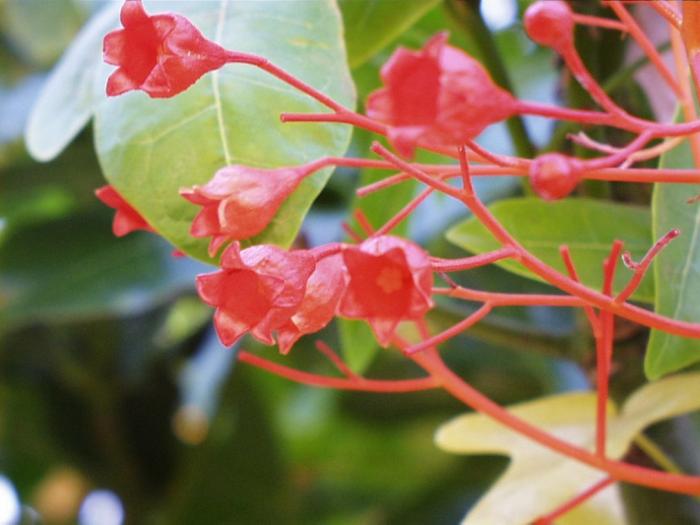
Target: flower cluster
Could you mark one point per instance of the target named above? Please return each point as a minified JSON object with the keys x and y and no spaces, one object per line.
{"x":275,"y":294}
{"x":437,"y":98}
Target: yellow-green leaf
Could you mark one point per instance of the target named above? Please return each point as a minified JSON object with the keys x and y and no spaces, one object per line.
{"x":538,"y":480}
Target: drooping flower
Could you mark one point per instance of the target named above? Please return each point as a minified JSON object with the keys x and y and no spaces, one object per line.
{"x":239,"y":202}
{"x":390,"y":281}
{"x":126,"y":218}
{"x":257,"y":290}
{"x":438,"y":96}
{"x":162,"y":54}
{"x":324,"y":290}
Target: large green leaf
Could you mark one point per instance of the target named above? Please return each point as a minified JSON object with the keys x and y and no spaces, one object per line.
{"x":539,"y":480}
{"x":67,"y":99}
{"x":149,"y":149}
{"x":587,"y":226}
{"x":75,"y":269}
{"x":676,"y":268}
{"x":371,"y":25}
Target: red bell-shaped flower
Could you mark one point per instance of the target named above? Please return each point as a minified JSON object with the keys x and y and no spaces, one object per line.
{"x":390,"y":280}
{"x":126,"y":218}
{"x":162,"y":54}
{"x":240,"y":202}
{"x":257,"y":290}
{"x":437,"y":96}
{"x":324,"y":289}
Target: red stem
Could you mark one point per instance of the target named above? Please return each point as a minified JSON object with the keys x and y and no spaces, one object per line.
{"x":353,"y":383}
{"x":430,"y":361}
{"x":549,"y":274}
{"x":475,"y":261}
{"x":570,"y":505}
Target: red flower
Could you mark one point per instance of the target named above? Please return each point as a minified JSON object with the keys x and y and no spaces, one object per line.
{"x":257,"y":290}
{"x":240,"y":202}
{"x":126,"y":219}
{"x":438,"y":96}
{"x":161,"y":55}
{"x":324,"y":289}
{"x":390,"y":282}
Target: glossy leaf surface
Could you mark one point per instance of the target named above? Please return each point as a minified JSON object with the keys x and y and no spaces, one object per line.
{"x":587,"y":226}
{"x":676,"y":269}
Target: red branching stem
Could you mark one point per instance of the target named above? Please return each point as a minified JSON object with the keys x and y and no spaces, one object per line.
{"x":363,"y":221}
{"x":352,"y":383}
{"x":350,"y":232}
{"x":532,"y":263}
{"x":499,"y":160}
{"x":571,"y":269}
{"x":510,"y":299}
{"x":640,"y":175}
{"x":453,"y":331}
{"x":475,"y":261}
{"x":590,"y":84}
{"x":646,"y":45}
{"x":266,"y":65}
{"x":598,"y":21}
{"x":570,"y":505}
{"x":686,"y":101}
{"x":582,"y":116}
{"x":666,"y":10}
{"x":403,"y":214}
{"x":431,"y":362}
{"x":328,"y":352}
{"x":354,"y":119}
{"x":445,"y":172}
{"x":604,"y":345}
{"x":584,"y":140}
{"x":641,"y":267}
{"x":619,"y":156}
{"x":646,"y":175}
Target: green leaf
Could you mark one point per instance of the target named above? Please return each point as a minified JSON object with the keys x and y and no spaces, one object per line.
{"x":67,"y":99}
{"x":553,"y":478}
{"x":587,"y":226}
{"x":675,"y":268}
{"x":149,"y":149}
{"x":76,"y":269}
{"x":358,"y":344}
{"x":370,"y":25}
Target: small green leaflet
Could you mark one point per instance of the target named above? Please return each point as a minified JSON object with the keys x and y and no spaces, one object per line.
{"x":587,"y":226}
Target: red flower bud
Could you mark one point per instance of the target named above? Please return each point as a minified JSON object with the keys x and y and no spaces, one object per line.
{"x":240,"y":202}
{"x":324,"y":289}
{"x":390,"y":281}
{"x":438,"y":96}
{"x":550,"y":23}
{"x":126,"y":219}
{"x":257,"y":290}
{"x":554,"y":176}
{"x":162,"y":54}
